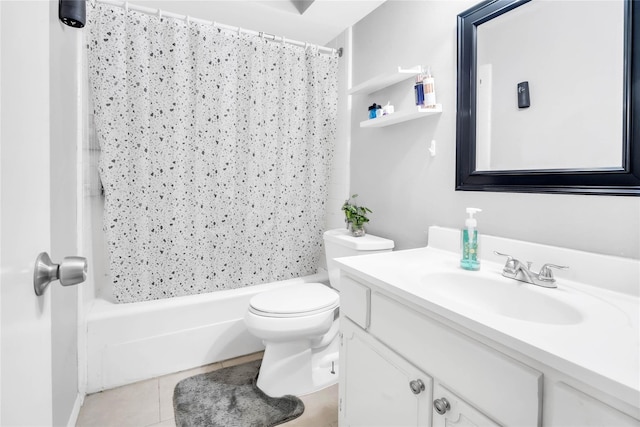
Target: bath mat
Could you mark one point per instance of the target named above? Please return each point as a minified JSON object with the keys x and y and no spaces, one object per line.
{"x":229,"y":398}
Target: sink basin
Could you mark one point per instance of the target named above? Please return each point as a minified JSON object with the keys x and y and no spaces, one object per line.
{"x":502,"y":296}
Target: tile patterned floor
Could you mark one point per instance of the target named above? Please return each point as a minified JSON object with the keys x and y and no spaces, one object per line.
{"x":150,"y":403}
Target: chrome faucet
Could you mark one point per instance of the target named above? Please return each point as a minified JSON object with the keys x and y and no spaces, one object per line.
{"x":515,"y":269}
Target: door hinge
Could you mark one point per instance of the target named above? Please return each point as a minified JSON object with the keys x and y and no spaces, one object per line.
{"x":340,"y":405}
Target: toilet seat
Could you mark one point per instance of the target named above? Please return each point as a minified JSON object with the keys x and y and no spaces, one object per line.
{"x":295,"y":301}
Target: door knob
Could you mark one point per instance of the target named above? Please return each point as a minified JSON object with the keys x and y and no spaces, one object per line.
{"x":71,"y":271}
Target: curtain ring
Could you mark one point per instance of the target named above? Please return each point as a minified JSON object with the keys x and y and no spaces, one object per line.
{"x":283,"y":41}
{"x":126,"y":6}
{"x":239,"y":30}
{"x":186,"y":18}
{"x":160,"y":13}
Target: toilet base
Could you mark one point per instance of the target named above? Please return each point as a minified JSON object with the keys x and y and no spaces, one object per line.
{"x":296,"y":368}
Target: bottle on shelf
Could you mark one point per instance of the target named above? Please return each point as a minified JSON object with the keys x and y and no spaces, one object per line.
{"x":429,"y":90}
{"x":419,"y":90}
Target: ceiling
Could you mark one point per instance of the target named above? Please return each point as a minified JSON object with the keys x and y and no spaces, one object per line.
{"x":314,"y":21}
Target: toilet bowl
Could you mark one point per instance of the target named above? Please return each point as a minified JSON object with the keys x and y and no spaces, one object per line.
{"x":299,"y":324}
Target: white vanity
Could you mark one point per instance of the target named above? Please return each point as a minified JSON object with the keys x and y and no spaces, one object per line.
{"x":424,"y":342}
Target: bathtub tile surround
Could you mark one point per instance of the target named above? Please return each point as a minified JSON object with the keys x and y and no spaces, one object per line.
{"x":218,"y":178}
{"x":108,"y":408}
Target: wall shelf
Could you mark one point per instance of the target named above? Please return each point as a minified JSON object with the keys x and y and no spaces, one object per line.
{"x":401,"y":116}
{"x":379,"y":82}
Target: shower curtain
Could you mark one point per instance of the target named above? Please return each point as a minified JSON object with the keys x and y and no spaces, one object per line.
{"x":215,"y":153}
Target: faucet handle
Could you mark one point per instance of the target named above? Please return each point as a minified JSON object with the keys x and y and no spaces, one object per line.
{"x":546,"y":274}
{"x":510,"y":265}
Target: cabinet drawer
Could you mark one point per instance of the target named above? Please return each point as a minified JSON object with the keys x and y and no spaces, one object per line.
{"x":502,"y":388}
{"x":354,"y":301}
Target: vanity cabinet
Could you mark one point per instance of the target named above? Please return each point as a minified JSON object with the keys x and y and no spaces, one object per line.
{"x":387,"y":345}
{"x":490,"y":351}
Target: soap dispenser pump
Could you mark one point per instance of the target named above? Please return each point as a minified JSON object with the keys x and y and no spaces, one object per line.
{"x":470,"y":259}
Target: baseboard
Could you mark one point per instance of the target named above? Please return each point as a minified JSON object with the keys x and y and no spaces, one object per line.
{"x":75,"y":412}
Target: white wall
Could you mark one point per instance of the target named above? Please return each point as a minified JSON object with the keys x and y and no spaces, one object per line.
{"x":64,"y":128}
{"x":339,"y":187}
{"x":409,"y":191}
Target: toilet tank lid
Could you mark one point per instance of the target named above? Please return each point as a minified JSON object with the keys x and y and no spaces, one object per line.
{"x":368,"y":242}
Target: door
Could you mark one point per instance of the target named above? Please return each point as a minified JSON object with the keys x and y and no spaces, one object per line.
{"x":25,"y":320}
{"x":378,"y":387}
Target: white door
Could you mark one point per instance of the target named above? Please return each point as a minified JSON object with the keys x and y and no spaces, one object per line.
{"x":25,"y":320}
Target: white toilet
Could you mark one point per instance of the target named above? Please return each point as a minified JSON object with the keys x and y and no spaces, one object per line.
{"x":299,"y":323}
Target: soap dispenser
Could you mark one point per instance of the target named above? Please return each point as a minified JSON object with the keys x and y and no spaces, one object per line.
{"x":470,"y":259}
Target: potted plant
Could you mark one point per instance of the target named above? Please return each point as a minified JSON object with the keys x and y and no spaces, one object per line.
{"x":355,"y":216}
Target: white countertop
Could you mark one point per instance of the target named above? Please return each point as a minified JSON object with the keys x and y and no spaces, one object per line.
{"x":601,"y":350}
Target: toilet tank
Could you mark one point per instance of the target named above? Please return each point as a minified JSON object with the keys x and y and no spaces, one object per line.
{"x":340,"y":243}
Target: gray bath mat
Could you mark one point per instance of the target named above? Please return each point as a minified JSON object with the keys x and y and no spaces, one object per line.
{"x":229,"y":398}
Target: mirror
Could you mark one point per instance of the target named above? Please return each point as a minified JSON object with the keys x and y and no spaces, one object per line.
{"x":546,"y":97}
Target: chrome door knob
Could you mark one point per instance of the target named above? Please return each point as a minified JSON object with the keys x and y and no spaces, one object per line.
{"x":441,"y":405}
{"x":71,"y":271}
{"x":417,"y":386}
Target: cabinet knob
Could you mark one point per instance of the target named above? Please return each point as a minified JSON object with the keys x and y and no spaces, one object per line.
{"x":441,"y":405}
{"x":417,"y":386}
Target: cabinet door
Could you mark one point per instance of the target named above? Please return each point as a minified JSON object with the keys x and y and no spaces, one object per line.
{"x":568,"y":407}
{"x":376,"y":384}
{"x":449,"y":410}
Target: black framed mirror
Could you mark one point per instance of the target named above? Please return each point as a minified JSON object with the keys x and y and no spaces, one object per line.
{"x":472,"y":173}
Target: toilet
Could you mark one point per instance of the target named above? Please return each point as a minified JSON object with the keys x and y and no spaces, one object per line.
{"x":299,"y":324}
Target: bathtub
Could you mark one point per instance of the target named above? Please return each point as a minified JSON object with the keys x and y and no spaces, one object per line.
{"x":132,"y":342}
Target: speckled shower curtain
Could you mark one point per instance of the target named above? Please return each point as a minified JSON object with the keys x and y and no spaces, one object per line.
{"x":216,"y":150}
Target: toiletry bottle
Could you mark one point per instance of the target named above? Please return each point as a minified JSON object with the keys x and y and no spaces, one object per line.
{"x":470,"y":259}
{"x":429,"y":89}
{"x":372,"y":111}
{"x":419,"y":90}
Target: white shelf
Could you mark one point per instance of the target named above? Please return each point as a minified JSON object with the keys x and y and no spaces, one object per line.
{"x":401,"y":116}
{"x":384,"y":80}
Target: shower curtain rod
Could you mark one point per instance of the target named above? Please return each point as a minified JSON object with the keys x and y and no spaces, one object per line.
{"x":151,"y":11}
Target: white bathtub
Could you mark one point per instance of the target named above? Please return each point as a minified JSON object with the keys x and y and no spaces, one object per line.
{"x":132,"y":342}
